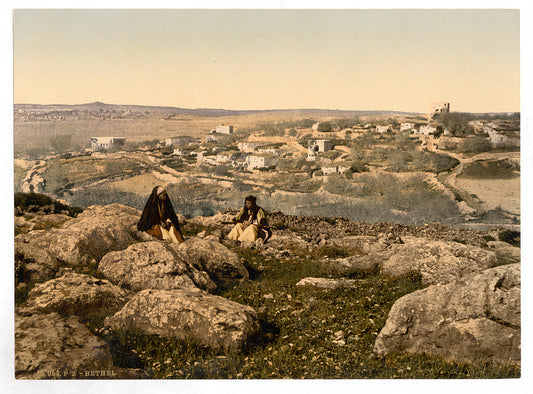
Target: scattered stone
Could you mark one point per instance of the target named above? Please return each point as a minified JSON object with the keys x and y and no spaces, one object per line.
{"x":201,"y":234}
{"x":269,"y":296}
{"x":473,"y":319}
{"x":325,"y":283}
{"x":211,"y":320}
{"x":338,"y":338}
{"x":153,"y":265}
{"x":362,"y":243}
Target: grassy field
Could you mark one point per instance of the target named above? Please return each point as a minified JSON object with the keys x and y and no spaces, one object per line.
{"x":300,"y":329}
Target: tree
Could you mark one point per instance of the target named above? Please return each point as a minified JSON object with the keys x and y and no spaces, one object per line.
{"x":456,"y":123}
{"x":61,"y":143}
{"x":325,"y":127}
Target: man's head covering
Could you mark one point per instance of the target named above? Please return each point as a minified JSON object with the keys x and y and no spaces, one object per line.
{"x":250,"y":198}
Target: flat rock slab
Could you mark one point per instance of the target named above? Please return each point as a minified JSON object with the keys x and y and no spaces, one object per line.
{"x":437,"y":261}
{"x":47,"y":343}
{"x":153,"y":265}
{"x":211,"y":320}
{"x":475,"y":318}
{"x":76,"y":294}
{"x":325,"y":283}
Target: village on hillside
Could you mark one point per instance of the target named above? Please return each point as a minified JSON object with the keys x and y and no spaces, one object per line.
{"x":329,"y":146}
{"x":376,"y":168}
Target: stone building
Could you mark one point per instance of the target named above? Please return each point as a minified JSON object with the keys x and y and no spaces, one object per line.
{"x":318,"y":146}
{"x":224,"y":129}
{"x":181,"y":140}
{"x":107,"y":143}
{"x":261,"y":161}
{"x":438,"y":108}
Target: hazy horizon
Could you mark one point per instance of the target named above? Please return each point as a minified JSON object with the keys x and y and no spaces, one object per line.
{"x":355,"y":60}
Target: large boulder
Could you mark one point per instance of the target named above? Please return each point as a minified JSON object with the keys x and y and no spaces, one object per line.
{"x":211,"y":320}
{"x":437,"y":261}
{"x":50,"y":346}
{"x":475,"y":318}
{"x":223,"y":266}
{"x":153,"y":265}
{"x":82,"y":241}
{"x":76,"y":294}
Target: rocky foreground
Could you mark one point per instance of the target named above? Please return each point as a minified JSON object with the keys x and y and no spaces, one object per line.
{"x":97,"y":273}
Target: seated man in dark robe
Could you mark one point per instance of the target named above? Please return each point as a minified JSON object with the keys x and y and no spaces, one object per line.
{"x":251,"y":223}
{"x":159,"y":219}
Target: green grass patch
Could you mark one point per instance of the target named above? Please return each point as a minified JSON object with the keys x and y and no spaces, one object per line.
{"x":299,"y":326}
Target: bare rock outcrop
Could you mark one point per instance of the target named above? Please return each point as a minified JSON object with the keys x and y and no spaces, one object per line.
{"x":46,"y":344}
{"x":437,"y":261}
{"x":78,"y":242}
{"x":223,"y":265}
{"x":153,"y":265}
{"x":365,"y":244}
{"x":475,"y":318}
{"x":506,"y":250}
{"x":211,"y":320}
{"x":76,"y":294}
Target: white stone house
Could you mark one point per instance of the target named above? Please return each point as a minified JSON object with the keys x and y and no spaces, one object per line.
{"x":315,"y":126}
{"x":273,"y":151}
{"x":318,"y":146}
{"x":107,"y":143}
{"x":213,"y":137}
{"x":179,"y":141}
{"x":226,"y":156}
{"x":382,"y":129}
{"x":250,"y":146}
{"x":499,"y":139}
{"x":426,"y":130}
{"x":333,"y":169}
{"x":261,"y":161}
{"x":407,"y":126}
{"x":224,"y":129}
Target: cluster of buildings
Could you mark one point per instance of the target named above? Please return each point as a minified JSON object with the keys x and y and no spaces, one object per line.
{"x":252,"y":155}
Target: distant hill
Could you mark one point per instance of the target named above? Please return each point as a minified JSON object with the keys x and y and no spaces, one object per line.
{"x":99,"y":106}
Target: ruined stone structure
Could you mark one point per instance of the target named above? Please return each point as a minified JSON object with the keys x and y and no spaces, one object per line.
{"x":438,"y":108}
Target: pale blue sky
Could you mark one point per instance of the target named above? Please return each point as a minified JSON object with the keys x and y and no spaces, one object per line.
{"x":268,"y":59}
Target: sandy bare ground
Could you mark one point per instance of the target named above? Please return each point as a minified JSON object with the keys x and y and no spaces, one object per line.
{"x":494,"y":193}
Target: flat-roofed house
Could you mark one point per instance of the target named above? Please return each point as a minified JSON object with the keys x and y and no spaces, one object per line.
{"x":318,"y":146}
{"x":181,"y":140}
{"x":261,"y":161}
{"x":224,"y":129}
{"x":107,"y":143}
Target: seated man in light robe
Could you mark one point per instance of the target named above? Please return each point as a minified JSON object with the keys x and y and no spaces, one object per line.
{"x":250,"y":222}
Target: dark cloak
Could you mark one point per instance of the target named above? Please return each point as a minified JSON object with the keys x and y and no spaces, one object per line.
{"x":150,"y":215}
